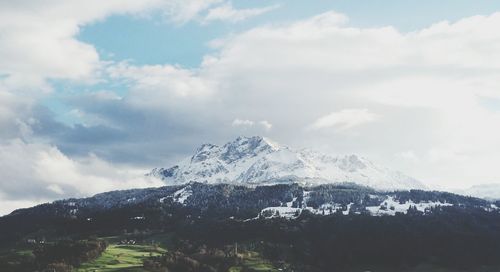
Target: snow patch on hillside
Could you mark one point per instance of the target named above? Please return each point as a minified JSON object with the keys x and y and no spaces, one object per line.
{"x":183,"y":194}
{"x":179,"y":196}
{"x":392,"y":206}
{"x":389,"y":207}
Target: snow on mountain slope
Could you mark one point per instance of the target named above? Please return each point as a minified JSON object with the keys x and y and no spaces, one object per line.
{"x":257,"y":160}
{"x":487,"y":191}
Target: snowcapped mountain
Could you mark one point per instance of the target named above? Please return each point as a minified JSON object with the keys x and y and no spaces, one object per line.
{"x":257,"y":160}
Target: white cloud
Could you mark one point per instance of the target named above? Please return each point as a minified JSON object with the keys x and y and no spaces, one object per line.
{"x":345,"y":119}
{"x":226,"y":12}
{"x":249,"y":123}
{"x":266,"y":124}
{"x":13,"y":118}
{"x":240,"y":122}
{"x":182,"y":11}
{"x":9,"y":205}
{"x":39,"y":39}
{"x":408,"y":155}
{"x":174,"y":81}
{"x":56,"y":189}
{"x":33,"y":173}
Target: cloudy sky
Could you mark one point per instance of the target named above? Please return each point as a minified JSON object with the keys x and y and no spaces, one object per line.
{"x":95,"y":93}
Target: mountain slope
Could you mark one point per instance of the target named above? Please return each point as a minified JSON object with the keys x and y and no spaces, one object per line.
{"x":257,"y":160}
{"x":487,"y":191}
{"x":247,"y":202}
{"x":153,"y":206}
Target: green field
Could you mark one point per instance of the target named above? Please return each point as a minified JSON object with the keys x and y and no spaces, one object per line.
{"x":129,"y":258}
{"x":253,"y":262}
{"x":16,"y":259}
{"x":121,"y":258}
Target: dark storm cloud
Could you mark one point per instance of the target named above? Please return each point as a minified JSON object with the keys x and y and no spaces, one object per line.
{"x":125,"y":135}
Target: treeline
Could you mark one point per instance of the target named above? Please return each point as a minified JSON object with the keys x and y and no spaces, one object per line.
{"x":60,"y":256}
{"x":457,"y":239}
{"x":213,"y":260}
{"x":68,"y":253}
{"x":110,"y":212}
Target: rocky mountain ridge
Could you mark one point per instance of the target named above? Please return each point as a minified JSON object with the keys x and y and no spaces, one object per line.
{"x":257,"y":160}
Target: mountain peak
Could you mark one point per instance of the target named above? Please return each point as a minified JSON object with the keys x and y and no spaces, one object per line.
{"x":245,"y":147}
{"x":254,"y":141}
{"x":257,"y":160}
